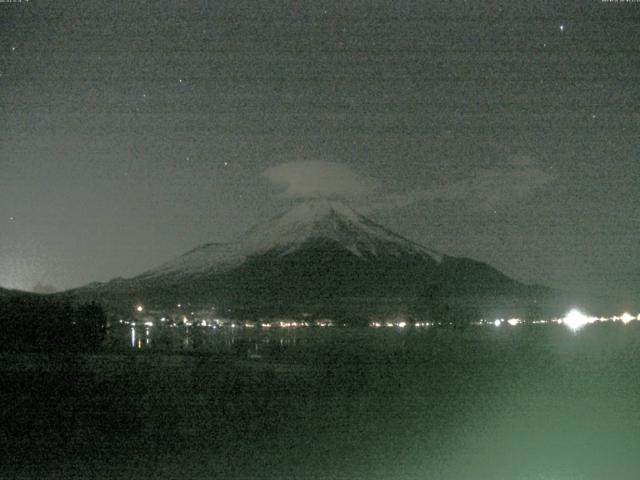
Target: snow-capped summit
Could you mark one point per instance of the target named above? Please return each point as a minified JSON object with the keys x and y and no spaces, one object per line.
{"x":332,"y":220}
{"x":311,"y":220}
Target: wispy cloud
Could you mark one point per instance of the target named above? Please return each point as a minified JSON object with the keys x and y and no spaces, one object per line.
{"x":312,"y":178}
{"x":484,"y":189}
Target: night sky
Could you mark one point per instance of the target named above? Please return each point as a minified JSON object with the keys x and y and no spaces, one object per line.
{"x":505,"y":131}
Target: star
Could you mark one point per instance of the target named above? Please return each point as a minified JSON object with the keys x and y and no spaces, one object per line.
{"x":226,"y":163}
{"x":13,"y":49}
{"x":562,"y":28}
{"x":12,"y":218}
{"x":593,"y":115}
{"x":181,"y":80}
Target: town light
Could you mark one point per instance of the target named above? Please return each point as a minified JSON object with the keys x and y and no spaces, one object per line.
{"x":575,"y":320}
{"x":626,"y":317}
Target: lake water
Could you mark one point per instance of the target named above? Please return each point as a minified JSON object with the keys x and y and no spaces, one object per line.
{"x":525,"y":402}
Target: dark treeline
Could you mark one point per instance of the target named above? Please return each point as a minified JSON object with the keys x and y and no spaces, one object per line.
{"x":41,"y":324}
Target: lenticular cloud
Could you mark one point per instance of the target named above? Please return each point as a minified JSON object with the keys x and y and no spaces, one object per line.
{"x":311,"y":179}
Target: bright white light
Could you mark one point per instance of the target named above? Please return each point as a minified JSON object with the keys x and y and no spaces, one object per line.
{"x":562,"y":28}
{"x":497,"y":323}
{"x":575,"y":319}
{"x":626,"y":317}
{"x":513,"y":321}
{"x":402,"y":324}
{"x":139,"y":308}
{"x":149,"y":324}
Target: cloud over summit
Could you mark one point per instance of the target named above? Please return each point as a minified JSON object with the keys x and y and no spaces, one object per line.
{"x":313,"y":178}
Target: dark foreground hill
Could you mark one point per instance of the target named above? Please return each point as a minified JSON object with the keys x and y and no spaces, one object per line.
{"x":41,"y":323}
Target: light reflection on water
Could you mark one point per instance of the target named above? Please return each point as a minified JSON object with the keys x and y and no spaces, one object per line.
{"x":528,"y":402}
{"x":222,"y":340}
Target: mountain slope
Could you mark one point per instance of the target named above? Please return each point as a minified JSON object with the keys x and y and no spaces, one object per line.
{"x":320,"y":252}
{"x":6,"y":294}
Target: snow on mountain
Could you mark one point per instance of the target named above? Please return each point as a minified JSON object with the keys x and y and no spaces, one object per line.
{"x":333,"y":221}
{"x":287,"y":233}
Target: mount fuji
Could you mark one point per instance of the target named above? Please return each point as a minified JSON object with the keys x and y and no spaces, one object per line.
{"x":319,"y":253}
{"x":339,"y":227}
